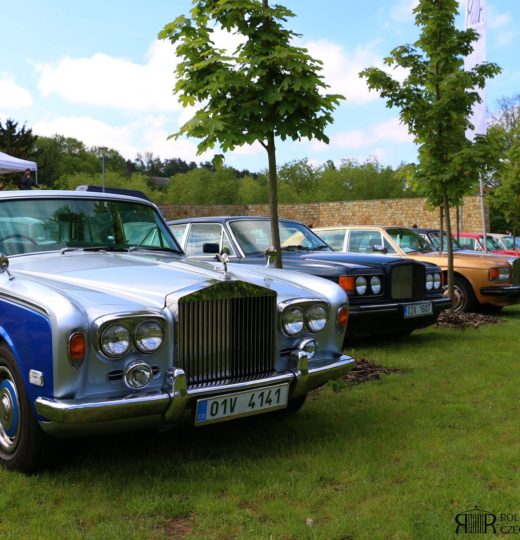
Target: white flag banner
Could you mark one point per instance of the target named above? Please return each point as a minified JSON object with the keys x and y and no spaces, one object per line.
{"x":475,"y":17}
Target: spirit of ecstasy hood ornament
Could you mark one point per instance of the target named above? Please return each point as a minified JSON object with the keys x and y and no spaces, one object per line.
{"x":224,"y":259}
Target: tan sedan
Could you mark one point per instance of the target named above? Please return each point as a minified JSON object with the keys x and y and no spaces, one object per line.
{"x":481,"y":280}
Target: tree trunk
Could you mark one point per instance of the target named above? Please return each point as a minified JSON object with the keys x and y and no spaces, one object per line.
{"x":449,"y":238}
{"x":441,"y":221}
{"x":273,"y":200}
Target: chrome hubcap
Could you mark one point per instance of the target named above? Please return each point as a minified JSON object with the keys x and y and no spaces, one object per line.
{"x":458,"y":298}
{"x":9,"y":413}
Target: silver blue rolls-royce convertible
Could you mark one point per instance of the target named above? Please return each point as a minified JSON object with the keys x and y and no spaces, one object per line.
{"x":106,"y":326}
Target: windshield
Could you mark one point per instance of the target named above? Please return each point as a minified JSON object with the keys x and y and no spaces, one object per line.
{"x":510,"y":242}
{"x":435,"y":239}
{"x":409,"y":241}
{"x":492,"y":243}
{"x":32,"y":225}
{"x":254,"y":236}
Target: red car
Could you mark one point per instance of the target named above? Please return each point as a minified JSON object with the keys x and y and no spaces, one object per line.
{"x":475,"y":242}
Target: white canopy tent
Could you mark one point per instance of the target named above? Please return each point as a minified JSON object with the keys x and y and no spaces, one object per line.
{"x":10,"y":164}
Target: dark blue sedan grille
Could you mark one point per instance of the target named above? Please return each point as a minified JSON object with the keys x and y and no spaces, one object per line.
{"x":408,"y":281}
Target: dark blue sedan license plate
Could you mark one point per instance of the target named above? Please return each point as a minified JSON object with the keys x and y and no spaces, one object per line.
{"x":418,"y":310}
{"x":247,"y":403}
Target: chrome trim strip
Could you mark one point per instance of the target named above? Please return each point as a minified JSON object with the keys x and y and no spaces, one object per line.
{"x":24,"y":303}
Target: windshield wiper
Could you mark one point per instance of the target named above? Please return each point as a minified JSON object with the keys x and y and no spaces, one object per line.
{"x":295,"y":247}
{"x":154,"y":248}
{"x":95,"y":248}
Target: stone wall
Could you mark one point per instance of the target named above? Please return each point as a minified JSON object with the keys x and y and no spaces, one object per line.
{"x":404,"y":212}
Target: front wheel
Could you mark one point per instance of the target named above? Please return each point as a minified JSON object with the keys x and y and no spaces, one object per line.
{"x":464,"y":297}
{"x":21,"y":438}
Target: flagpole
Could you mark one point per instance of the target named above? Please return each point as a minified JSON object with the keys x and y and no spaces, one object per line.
{"x":475,"y":17}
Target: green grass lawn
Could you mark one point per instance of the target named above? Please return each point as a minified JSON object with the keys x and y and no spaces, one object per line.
{"x":395,"y":458}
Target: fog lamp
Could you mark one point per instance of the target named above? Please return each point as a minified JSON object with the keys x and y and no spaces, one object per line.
{"x":309,"y":347}
{"x":137,"y":375}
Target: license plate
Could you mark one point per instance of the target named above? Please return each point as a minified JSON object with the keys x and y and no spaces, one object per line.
{"x":218,"y":409}
{"x":418,"y":310}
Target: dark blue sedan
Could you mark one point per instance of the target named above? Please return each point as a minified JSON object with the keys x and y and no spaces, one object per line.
{"x":387,"y":295}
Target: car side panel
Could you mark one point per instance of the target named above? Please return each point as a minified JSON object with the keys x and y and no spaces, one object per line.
{"x":28,"y":334}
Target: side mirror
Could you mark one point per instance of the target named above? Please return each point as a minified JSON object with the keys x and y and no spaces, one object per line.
{"x":210,"y":247}
{"x":270,"y":253}
{"x":380,"y":248}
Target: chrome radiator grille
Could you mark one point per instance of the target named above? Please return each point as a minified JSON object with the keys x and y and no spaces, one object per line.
{"x":226,"y":333}
{"x":408,"y":281}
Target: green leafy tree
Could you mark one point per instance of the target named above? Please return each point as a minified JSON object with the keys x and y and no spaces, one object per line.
{"x":18,"y":142}
{"x":15,"y":141}
{"x":436,"y":99}
{"x":506,"y":197}
{"x":267,"y":89}
{"x":60,"y":157}
{"x":204,"y":186}
{"x":505,"y":188}
{"x":301,"y":180}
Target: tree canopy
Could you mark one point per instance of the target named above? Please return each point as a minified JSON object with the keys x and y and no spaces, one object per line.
{"x":435,"y":101}
{"x":267,"y":88}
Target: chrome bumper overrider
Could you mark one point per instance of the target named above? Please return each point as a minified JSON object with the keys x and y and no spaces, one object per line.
{"x":170,"y":403}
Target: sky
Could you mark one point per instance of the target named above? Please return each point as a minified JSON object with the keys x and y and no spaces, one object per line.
{"x":94,"y":70}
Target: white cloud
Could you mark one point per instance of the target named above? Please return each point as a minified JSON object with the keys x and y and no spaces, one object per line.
{"x":117,"y":83}
{"x":147,"y":134}
{"x":388,"y":131}
{"x":391,"y":130}
{"x":402,"y":12}
{"x":12,"y":95}
{"x":341,"y":68}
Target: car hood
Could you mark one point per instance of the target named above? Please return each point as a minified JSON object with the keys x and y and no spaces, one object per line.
{"x":463,"y":259}
{"x":97,"y":277}
{"x":356,"y":259}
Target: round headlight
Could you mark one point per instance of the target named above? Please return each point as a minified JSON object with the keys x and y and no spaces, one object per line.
{"x":429,"y":282}
{"x":375,"y":284}
{"x":115,"y":340}
{"x":149,"y":336}
{"x":292,"y":321}
{"x":317,"y":318}
{"x":361,"y":285}
{"x":437,"y":280}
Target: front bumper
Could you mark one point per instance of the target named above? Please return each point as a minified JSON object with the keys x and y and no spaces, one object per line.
{"x":371,"y":319}
{"x":167,"y":407}
{"x":505,"y":290}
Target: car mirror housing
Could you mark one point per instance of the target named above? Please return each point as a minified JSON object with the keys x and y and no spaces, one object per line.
{"x":210,"y":247}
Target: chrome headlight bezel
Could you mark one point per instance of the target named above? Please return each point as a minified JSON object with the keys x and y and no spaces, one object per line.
{"x":301,"y":316}
{"x":428,"y":282}
{"x":376,"y":284}
{"x":361,"y":285}
{"x":148,"y":344}
{"x":293,"y":321}
{"x":142,"y":333}
{"x":317,"y":317}
{"x":115,"y":340}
